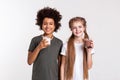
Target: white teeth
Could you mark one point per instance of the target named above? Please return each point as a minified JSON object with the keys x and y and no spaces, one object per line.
{"x":47,"y":29}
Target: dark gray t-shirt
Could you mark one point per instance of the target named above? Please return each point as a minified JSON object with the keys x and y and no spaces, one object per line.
{"x":45,"y":66}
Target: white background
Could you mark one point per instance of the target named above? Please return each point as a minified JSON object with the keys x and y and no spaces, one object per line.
{"x":17,"y":27}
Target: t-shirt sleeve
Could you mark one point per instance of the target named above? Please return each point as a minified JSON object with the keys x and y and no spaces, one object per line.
{"x":93,"y":51}
{"x":32,"y":45}
{"x":64,"y":49}
{"x":60,"y":47}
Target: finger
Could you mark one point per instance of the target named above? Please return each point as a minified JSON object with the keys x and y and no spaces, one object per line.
{"x":44,"y":40}
{"x":92,"y":45}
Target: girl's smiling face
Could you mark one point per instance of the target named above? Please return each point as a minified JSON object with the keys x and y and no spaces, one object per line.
{"x":77,"y":28}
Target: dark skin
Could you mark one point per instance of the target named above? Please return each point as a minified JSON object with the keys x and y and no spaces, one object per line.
{"x":48,"y":27}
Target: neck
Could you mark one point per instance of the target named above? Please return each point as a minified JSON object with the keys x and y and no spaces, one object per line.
{"x":48,"y":35}
{"x":78,"y":40}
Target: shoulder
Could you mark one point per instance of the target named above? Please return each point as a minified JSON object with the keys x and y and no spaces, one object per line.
{"x":37,"y":38}
{"x":64,"y":49}
{"x":58,"y":40}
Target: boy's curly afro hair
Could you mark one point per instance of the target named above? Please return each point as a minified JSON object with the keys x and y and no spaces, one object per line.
{"x":50,"y":13}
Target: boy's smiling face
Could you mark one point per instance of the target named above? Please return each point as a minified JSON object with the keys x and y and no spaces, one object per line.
{"x":48,"y":26}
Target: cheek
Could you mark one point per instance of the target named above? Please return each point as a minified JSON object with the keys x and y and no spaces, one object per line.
{"x":83,"y":29}
{"x":53,"y":27}
{"x":73,"y":31}
{"x":43,"y":27}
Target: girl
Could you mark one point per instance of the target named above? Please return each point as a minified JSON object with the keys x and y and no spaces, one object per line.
{"x":77,"y":52}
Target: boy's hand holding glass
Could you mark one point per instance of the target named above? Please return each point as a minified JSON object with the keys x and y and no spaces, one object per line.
{"x":45,"y":42}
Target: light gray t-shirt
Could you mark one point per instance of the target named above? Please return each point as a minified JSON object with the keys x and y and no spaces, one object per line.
{"x":45,"y":66}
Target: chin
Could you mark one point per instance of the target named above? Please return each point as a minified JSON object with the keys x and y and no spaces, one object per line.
{"x":78,"y":35}
{"x":48,"y":32}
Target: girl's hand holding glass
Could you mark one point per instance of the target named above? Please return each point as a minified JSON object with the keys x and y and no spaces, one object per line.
{"x":88,"y":44}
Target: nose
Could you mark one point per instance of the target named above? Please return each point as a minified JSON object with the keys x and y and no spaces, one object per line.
{"x":47,"y":25}
{"x":77,"y":29}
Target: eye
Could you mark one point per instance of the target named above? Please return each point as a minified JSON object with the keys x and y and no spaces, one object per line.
{"x":51,"y":23}
{"x":80,"y":26}
{"x":44,"y":23}
{"x":73,"y":28}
